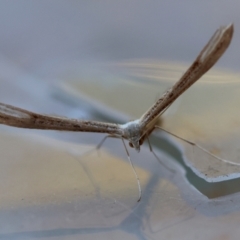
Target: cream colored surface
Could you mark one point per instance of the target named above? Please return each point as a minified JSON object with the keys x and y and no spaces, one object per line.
{"x":37,"y":170}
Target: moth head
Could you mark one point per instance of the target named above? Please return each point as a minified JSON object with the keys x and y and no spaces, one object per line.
{"x":140,"y":142}
{"x":132,"y":132}
{"x":135,"y":145}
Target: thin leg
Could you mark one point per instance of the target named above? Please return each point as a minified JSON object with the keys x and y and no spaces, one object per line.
{"x":101,"y":143}
{"x":104,"y":139}
{"x":129,"y":159}
{"x":134,"y":171}
{"x":199,"y":147}
{"x":97,"y":147}
{"x":159,"y":160}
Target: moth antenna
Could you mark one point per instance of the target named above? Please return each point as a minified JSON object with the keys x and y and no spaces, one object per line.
{"x":199,"y":147}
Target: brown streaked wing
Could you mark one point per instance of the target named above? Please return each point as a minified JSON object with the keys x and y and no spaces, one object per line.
{"x":205,"y":60}
{"x":17,"y":117}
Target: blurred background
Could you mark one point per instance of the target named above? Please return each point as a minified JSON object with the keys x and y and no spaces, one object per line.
{"x":40,"y":36}
{"x":109,"y":61}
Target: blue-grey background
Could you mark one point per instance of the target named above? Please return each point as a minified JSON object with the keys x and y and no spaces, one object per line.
{"x":38,"y":35}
